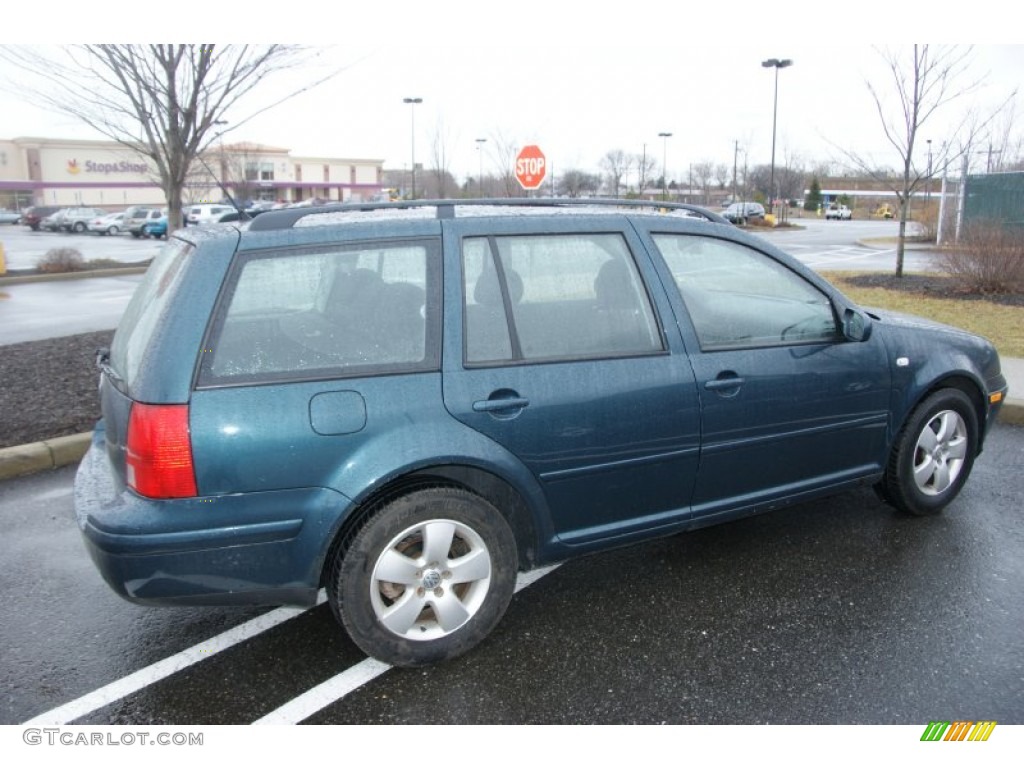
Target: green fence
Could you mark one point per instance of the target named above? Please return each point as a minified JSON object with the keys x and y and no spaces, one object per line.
{"x":995,"y":197}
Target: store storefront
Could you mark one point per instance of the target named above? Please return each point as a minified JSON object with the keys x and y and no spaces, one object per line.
{"x":105,"y":174}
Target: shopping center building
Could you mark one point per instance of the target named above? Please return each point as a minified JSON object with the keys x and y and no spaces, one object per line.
{"x":105,"y":174}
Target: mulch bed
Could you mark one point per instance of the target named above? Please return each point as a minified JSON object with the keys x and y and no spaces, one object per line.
{"x":49,"y":388}
{"x":941,"y":286}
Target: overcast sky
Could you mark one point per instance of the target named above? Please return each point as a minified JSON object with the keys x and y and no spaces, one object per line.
{"x":578,"y":80}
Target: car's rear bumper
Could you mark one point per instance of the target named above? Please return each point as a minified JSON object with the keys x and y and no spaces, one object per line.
{"x":262,"y":548}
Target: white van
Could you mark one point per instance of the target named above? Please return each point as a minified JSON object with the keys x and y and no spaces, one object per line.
{"x":207,"y":213}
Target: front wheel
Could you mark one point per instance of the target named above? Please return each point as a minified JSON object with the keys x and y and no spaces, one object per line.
{"x":79,"y":227}
{"x":427,"y":578}
{"x":933,"y":455}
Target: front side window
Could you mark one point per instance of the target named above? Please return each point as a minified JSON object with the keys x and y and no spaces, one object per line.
{"x":548,"y":297}
{"x":738,"y":297}
{"x":340,"y":311}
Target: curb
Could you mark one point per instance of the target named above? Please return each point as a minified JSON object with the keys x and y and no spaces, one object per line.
{"x":44,"y":278}
{"x":20,"y":460}
{"x":1012,"y":412}
{"x":30,"y":458}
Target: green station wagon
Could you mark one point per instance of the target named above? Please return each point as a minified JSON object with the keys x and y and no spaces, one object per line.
{"x":408,"y":403}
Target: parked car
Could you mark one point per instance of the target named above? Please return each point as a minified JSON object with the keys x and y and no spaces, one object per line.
{"x":137,"y":217}
{"x":406,"y":407}
{"x":206,"y":213}
{"x":77,"y":219}
{"x":55,"y":221}
{"x":259,"y":206}
{"x":108,"y":224}
{"x":9,"y":217}
{"x":156,"y":228}
{"x":741,"y":213}
{"x":233,"y":217}
{"x":33,"y":217}
{"x":838,"y":212}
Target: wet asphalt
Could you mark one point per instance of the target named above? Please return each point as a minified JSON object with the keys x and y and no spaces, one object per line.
{"x":838,"y":611}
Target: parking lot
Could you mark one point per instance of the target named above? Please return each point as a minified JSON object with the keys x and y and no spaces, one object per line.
{"x":839,"y":611}
{"x":23,"y":248}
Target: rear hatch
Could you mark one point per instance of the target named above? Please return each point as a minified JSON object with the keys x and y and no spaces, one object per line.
{"x":133,"y":346}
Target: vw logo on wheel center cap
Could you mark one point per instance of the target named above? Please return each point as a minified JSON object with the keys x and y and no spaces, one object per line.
{"x":431,"y":579}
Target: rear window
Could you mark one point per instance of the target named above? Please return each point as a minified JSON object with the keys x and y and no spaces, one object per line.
{"x":144,"y":311}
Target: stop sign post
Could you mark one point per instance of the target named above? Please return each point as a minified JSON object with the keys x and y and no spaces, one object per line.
{"x":531,"y":167}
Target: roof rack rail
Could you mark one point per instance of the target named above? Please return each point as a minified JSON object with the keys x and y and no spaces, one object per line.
{"x":287,"y":217}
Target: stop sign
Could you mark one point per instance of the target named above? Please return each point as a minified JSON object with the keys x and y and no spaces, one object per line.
{"x":531,"y":167}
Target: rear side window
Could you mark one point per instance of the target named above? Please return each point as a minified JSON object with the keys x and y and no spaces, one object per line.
{"x":552,"y":297}
{"x":333,"y":312}
{"x":147,"y":305}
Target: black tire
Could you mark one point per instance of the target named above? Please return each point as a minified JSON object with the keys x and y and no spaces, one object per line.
{"x":933,"y":454}
{"x":79,"y":227}
{"x":393,"y":540}
{"x":136,"y":234}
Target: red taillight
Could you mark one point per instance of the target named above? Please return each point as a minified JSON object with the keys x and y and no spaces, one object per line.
{"x":159,"y":452}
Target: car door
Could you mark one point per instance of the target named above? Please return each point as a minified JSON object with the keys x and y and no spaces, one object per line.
{"x":788,"y":405}
{"x":558,"y":355}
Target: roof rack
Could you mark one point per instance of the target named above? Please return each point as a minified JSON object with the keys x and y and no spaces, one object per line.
{"x":287,"y":217}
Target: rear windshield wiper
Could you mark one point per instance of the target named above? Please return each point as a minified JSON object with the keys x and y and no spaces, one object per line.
{"x":103,"y":363}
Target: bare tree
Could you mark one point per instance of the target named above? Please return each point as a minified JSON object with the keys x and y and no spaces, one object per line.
{"x":444,"y":182}
{"x":703,"y":173}
{"x":504,"y":154}
{"x":576,"y":183}
{"x":924,"y":80}
{"x":616,"y":165}
{"x":166,"y":102}
{"x":722,"y":175}
{"x":645,"y":164}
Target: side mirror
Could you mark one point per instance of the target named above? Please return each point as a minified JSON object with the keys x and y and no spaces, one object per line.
{"x":856,"y":325}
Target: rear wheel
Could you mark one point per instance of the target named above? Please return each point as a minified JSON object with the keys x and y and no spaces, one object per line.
{"x":79,"y":227}
{"x":933,"y":455}
{"x":427,"y":578}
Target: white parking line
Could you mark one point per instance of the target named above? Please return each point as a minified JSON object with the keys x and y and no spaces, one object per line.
{"x":136,"y":681}
{"x":344,"y":683}
{"x":309,"y":703}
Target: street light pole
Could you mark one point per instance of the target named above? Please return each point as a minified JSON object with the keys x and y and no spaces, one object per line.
{"x":777,"y":64}
{"x":480,"y":158}
{"x":664,"y":164}
{"x":412,"y":102}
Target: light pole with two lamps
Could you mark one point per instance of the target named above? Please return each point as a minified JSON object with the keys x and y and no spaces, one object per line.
{"x":480,"y":162}
{"x":777,"y":64}
{"x":664,"y":164}
{"x":412,"y":102}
